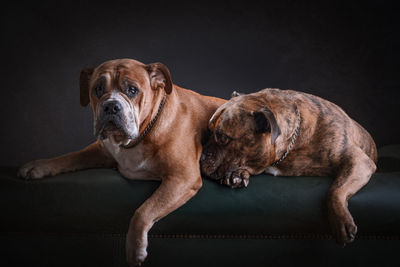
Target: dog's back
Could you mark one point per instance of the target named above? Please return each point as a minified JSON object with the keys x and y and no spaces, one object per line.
{"x":326,"y":131}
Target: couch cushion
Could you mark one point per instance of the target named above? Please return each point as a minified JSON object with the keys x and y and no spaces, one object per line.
{"x":102,"y":201}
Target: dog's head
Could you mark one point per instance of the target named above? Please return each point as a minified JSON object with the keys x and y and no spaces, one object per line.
{"x":122,"y":93}
{"x":243,"y":133}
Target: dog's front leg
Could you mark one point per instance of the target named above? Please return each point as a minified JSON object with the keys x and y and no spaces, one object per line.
{"x":356,"y":170}
{"x":92,"y":156}
{"x":173,"y":192}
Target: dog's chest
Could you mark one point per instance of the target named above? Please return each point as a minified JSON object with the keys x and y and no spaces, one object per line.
{"x":132,"y":163}
{"x":272,"y":170}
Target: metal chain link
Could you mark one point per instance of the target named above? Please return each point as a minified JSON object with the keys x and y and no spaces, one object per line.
{"x":292,"y":140}
{"x":148,"y":128}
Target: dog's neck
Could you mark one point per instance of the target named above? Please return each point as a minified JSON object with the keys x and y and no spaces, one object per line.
{"x":292,"y":139}
{"x":149,"y":126}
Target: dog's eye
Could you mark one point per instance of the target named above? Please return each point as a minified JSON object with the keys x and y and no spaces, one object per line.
{"x":131,"y":91}
{"x":99,"y":91}
{"x":222,"y":139}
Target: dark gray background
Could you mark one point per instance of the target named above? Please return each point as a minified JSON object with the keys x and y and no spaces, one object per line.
{"x":346,"y":52}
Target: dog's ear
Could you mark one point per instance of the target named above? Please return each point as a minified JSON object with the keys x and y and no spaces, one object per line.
{"x":84,"y":80}
{"x":265,"y":121}
{"x":160,"y":78}
{"x":235,"y":94}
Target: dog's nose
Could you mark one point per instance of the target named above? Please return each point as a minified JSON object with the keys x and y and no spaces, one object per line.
{"x":112,"y":107}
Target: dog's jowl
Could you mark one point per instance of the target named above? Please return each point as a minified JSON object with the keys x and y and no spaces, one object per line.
{"x":289,"y":133}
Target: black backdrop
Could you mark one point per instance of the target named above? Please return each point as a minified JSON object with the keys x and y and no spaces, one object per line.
{"x":346,"y":52}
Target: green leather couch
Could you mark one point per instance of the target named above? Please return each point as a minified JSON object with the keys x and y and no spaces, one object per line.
{"x":80,"y":219}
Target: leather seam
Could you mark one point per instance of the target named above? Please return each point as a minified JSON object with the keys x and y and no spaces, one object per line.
{"x":299,"y":236}
{"x":271,"y":236}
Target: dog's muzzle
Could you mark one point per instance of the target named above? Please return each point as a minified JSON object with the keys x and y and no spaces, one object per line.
{"x":112,"y":120}
{"x":210,"y":161}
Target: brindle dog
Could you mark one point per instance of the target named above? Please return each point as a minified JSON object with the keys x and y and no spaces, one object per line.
{"x":289,"y":133}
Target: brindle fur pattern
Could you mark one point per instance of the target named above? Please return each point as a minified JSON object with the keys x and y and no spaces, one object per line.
{"x":329,"y":143}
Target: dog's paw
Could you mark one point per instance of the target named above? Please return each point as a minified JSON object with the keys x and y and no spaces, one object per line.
{"x":137,"y":258}
{"x":36,"y":169}
{"x":344,"y":229}
{"x":136,"y":248}
{"x":238,"y":178}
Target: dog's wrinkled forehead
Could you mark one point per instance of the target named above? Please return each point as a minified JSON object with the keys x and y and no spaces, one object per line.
{"x":230,"y":119}
{"x":116,"y":72}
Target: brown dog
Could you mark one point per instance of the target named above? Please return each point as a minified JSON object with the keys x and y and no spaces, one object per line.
{"x":289,"y":133}
{"x":149,"y":129}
